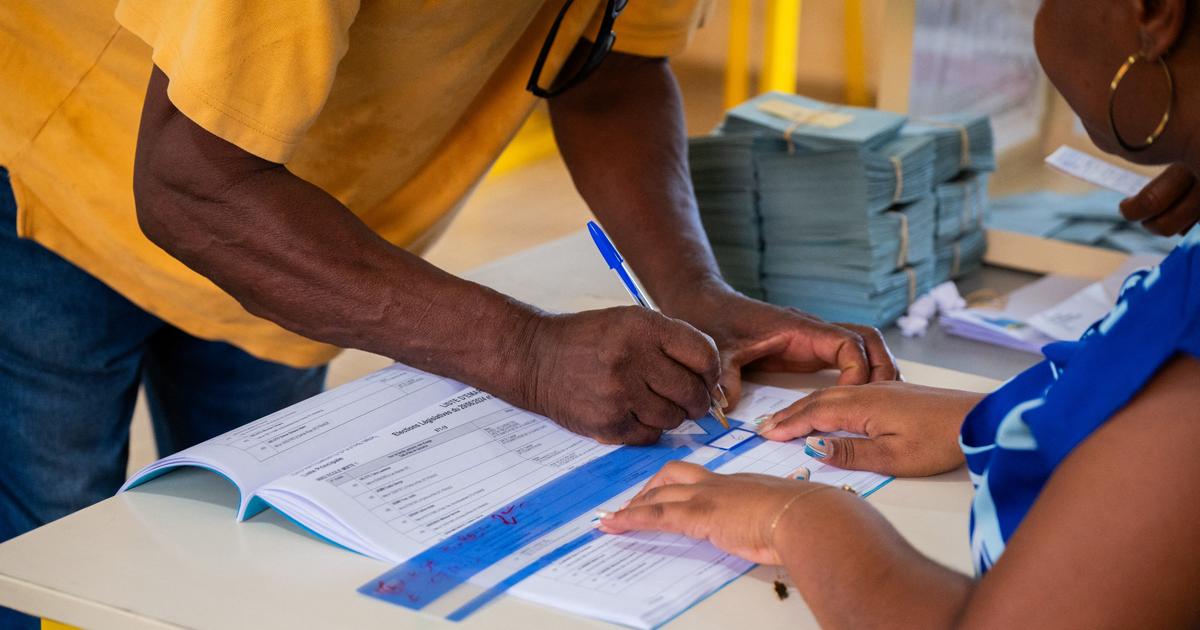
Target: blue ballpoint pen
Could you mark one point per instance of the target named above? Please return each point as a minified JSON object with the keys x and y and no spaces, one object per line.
{"x":631,"y":284}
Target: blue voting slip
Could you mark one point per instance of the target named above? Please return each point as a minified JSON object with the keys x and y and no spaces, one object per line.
{"x":1091,"y":218}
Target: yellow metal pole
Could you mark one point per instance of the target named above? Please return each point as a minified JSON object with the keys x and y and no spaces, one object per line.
{"x":896,"y":54}
{"x":737,"y":58}
{"x":783,"y":45}
{"x":855,"y":49}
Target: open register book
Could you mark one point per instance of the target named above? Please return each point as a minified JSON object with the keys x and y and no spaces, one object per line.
{"x":397,"y":461}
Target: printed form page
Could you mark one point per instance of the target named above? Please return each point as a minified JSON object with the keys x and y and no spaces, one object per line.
{"x":275,"y":445}
{"x":643,"y":580}
{"x":418,"y":481}
{"x":412,"y":484}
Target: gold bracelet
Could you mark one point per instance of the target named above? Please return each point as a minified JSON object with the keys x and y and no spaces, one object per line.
{"x":783,"y":510}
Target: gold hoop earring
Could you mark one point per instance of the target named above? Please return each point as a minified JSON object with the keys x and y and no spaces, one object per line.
{"x":1112,"y":98}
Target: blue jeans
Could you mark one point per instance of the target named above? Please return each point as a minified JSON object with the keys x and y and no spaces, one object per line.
{"x":72,"y":355}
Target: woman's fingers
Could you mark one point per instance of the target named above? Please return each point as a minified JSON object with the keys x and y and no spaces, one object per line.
{"x":675,"y":517}
{"x":1160,"y":194}
{"x":674,"y":472}
{"x":875,"y":455}
{"x":1169,"y":204}
{"x":663,"y":494}
{"x":674,"y":485}
{"x":1178,"y":218}
{"x":680,"y":472}
{"x":831,"y":409}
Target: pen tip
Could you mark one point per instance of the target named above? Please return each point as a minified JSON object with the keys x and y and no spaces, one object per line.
{"x":720,"y":415}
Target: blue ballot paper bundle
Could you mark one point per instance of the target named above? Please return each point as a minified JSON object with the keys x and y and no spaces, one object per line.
{"x":1088,"y":219}
{"x":845,"y":212}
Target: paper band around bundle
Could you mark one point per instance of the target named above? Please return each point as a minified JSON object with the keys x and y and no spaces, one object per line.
{"x":899,"y":170}
{"x":964,"y":218}
{"x":912,"y":284}
{"x":902,"y":256}
{"x":964,"y":159}
{"x":799,"y":116}
{"x":787,"y":136}
{"x":972,"y":208}
{"x":977,"y":206}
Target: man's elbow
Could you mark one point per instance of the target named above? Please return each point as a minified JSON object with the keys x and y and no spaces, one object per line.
{"x":154,"y":206}
{"x":174,"y":213}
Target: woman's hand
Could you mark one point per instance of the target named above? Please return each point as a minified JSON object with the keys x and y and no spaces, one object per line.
{"x":733,"y":512}
{"x":912,"y":431}
{"x":1169,"y":204}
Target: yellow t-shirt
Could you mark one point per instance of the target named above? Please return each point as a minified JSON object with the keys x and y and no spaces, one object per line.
{"x":395,"y":108}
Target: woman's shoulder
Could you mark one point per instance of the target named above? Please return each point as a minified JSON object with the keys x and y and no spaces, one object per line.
{"x":1082,"y":383}
{"x":1156,"y":316}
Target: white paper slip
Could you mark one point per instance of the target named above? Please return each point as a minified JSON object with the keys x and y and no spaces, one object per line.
{"x":1069,"y":319}
{"x":1096,"y":171}
{"x":731,"y":439}
{"x":760,"y":401}
{"x":689,"y":427}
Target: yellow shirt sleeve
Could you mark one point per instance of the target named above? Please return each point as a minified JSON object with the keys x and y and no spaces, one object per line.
{"x":658,"y":28}
{"x":255,"y":73}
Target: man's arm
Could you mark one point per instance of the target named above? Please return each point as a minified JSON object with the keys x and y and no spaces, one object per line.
{"x":621,"y":133}
{"x":291,"y":253}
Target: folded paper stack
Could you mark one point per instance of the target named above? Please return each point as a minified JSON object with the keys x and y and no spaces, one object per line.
{"x":866,"y":272}
{"x":724,"y":176}
{"x":965,"y":153}
{"x":962,"y":210}
{"x":964,"y":142}
{"x":809,"y":124}
{"x":1092,"y":219}
{"x":838,"y":210}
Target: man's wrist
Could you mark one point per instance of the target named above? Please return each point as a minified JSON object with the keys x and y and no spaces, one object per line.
{"x":507,"y":366}
{"x":694,"y":299}
{"x":472,"y":334}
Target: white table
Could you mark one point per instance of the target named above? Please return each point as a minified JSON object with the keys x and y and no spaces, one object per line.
{"x":170,"y":554}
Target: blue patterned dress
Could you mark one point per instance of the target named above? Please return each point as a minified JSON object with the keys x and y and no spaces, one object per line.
{"x":1015,"y":438}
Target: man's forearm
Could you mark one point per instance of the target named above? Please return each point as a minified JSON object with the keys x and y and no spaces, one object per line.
{"x":622,"y":135}
{"x":291,"y":253}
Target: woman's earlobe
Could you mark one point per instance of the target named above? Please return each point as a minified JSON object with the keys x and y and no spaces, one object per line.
{"x":1161,"y":24}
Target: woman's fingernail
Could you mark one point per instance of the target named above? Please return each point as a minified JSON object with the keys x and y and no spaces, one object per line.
{"x":601,"y":514}
{"x":818,"y":446}
{"x":767,"y":425}
{"x":801,"y":474}
{"x":721,"y":396}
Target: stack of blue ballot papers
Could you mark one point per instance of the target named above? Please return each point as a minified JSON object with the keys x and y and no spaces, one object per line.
{"x":725,"y":178}
{"x":1092,"y":219}
{"x":962,"y":205}
{"x":848,"y":209}
{"x":962,"y":211}
{"x":964,"y":142}
{"x":837,"y":240}
{"x":811,"y":124}
{"x":960,"y":256}
{"x":965,"y":153}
